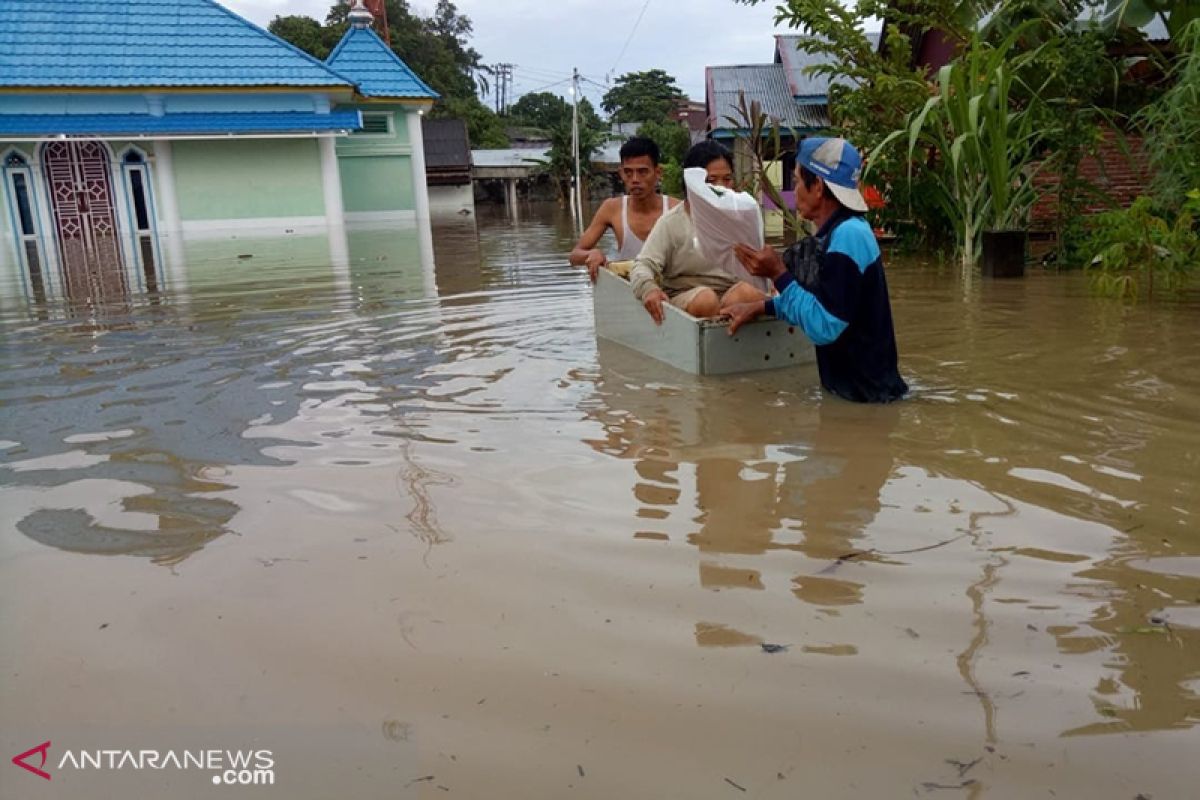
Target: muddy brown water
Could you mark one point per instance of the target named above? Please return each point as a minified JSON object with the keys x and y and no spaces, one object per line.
{"x":409,"y":527}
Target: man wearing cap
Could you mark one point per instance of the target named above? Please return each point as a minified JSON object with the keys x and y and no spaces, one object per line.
{"x":832,"y":284}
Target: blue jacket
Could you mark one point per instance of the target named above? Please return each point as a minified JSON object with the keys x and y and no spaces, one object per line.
{"x":842,"y":304}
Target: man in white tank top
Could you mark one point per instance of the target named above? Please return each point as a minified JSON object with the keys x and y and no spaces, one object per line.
{"x":631,"y":216}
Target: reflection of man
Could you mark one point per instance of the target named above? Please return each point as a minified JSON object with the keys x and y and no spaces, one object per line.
{"x":631,"y":216}
{"x":832,"y":284}
{"x":671,"y":267}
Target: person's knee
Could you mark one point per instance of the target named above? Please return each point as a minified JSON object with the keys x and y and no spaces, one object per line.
{"x":741,"y":293}
{"x":704,"y":304}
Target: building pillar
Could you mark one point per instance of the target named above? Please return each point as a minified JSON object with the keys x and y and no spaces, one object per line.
{"x":331,"y":183}
{"x":170,"y":226}
{"x":416,"y":138}
{"x":168,"y":199}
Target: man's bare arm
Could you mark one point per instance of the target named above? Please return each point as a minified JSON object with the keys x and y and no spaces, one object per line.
{"x":591,"y":237}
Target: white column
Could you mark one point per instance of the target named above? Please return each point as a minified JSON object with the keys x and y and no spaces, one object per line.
{"x":420,"y":189}
{"x":331,"y":183}
{"x":168,"y":199}
{"x":170,"y":227}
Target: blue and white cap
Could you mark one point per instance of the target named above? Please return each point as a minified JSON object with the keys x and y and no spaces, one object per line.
{"x":838,"y":163}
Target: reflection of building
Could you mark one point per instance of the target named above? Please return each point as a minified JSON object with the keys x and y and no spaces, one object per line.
{"x":120,"y":123}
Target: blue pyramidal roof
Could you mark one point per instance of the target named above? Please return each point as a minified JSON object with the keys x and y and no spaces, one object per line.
{"x":145,"y":43}
{"x":365,"y":59}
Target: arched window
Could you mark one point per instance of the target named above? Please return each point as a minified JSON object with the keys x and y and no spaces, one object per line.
{"x":16,"y":181}
{"x":134,"y":165}
{"x":139,"y":199}
{"x":16,"y":169}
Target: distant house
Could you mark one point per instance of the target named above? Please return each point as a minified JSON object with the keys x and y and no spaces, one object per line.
{"x":784,"y":90}
{"x":126,"y":124}
{"x":448,"y":165}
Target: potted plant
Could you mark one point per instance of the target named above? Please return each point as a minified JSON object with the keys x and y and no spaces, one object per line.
{"x":980,"y":150}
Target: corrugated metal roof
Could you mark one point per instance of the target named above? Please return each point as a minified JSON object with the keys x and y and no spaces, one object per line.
{"x":197,"y":123}
{"x":144,"y":43}
{"x":364,"y":58}
{"x":508,"y":157}
{"x":530,"y":156}
{"x":795,"y":63}
{"x":766,"y":83}
{"x":446,"y":145}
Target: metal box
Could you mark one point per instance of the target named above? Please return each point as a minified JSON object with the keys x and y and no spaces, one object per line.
{"x":698,"y":346}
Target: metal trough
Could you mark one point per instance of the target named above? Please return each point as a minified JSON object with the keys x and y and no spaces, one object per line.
{"x":698,"y":346}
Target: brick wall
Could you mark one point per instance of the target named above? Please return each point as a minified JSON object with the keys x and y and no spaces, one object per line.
{"x":1118,"y":175}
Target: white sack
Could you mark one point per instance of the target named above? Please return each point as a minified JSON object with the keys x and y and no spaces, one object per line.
{"x":723,"y":218}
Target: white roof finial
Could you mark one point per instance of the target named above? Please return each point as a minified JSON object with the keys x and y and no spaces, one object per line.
{"x":359,"y":16}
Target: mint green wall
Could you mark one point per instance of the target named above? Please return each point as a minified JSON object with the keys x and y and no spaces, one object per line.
{"x":377,"y":183}
{"x":248,"y":179}
{"x":376,"y":169}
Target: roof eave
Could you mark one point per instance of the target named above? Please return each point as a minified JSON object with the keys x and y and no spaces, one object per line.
{"x":196,"y":89}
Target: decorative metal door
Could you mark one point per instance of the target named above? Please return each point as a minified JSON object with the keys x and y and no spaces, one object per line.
{"x":77,"y":173}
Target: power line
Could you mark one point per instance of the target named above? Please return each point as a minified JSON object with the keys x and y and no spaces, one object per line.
{"x":629,"y":38}
{"x":543,"y":88}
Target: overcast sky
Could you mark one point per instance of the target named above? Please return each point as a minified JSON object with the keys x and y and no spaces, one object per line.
{"x":544,"y":39}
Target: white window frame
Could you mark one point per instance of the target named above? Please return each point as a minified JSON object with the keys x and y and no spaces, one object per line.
{"x":20,"y":238}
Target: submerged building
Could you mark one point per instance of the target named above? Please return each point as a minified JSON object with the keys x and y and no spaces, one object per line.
{"x":132,"y":126}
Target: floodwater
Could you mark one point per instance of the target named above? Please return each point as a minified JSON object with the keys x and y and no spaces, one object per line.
{"x":409,"y":527}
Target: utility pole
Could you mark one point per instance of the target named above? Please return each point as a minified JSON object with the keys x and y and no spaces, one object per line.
{"x":503,"y":77}
{"x":576,"y":196}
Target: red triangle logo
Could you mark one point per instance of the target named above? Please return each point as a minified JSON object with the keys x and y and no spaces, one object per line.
{"x":41,"y":748}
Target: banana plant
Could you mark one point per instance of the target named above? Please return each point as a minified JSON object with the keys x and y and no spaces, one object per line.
{"x":1176,"y":14}
{"x":979,"y":145}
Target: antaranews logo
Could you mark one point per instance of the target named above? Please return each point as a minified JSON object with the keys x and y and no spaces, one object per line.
{"x":229,"y":767}
{"x":41,"y":748}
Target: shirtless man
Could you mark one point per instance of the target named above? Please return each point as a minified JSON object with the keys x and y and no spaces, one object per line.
{"x":630,"y":216}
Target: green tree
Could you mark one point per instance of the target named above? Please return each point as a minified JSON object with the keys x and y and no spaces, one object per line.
{"x":545,"y":111}
{"x":672,"y":138}
{"x":305,"y":33}
{"x":539,"y":110}
{"x":642,"y":97}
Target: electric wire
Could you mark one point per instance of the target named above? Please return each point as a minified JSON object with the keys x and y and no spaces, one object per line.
{"x":629,"y":38}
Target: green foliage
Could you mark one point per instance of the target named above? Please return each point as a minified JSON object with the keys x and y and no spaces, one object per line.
{"x":642,"y":97}
{"x":979,"y":148}
{"x":545,"y":111}
{"x":305,"y":33}
{"x":1082,"y":81}
{"x":1177,"y":14}
{"x":672,"y":138}
{"x":539,"y":110}
{"x":484,"y":129}
{"x":878,"y":87}
{"x":672,"y":178}
{"x":1139,"y":248}
{"x":560,"y":163}
{"x":1171,"y":125}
